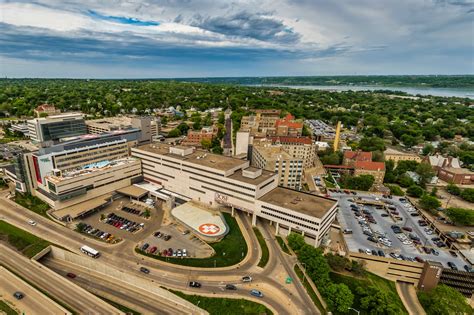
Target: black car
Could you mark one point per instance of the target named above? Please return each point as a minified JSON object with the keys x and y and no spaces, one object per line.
{"x":18,"y":295}
{"x":452,"y":265}
{"x":144,"y":270}
{"x":372,"y":239}
{"x":194,"y":284}
{"x":384,"y":215}
{"x":145,"y":246}
{"x":167,"y":237}
{"x":230,"y":287}
{"x":381,"y":253}
{"x":374,"y":252}
{"x":468,"y":269}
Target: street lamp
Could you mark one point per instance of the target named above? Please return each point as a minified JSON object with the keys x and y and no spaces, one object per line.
{"x":304,"y":272}
{"x":350,"y":308}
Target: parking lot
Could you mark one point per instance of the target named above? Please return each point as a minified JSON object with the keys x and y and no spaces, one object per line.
{"x":125,"y":221}
{"x":179,"y":238}
{"x":411,"y":240}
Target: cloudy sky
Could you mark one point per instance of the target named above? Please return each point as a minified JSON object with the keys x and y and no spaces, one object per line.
{"x":194,"y":38}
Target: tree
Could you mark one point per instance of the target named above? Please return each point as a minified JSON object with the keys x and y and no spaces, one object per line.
{"x":339,"y":297}
{"x":295,"y":241}
{"x":434,"y":191}
{"x":361,"y":182}
{"x":221,"y":118}
{"x":453,"y":189}
{"x":425,"y":172}
{"x":174,"y":133}
{"x":164,"y":121}
{"x":415,"y":191}
{"x":428,"y":149}
{"x":395,"y":190}
{"x":408,"y":140}
{"x":378,"y":301}
{"x":444,"y":300}
{"x":405,"y":181}
{"x":183,"y":128}
{"x":338,"y":263}
{"x":206,"y":144}
{"x":372,"y":144}
{"x":430,"y":203}
{"x":468,"y":194}
{"x":461,"y":216}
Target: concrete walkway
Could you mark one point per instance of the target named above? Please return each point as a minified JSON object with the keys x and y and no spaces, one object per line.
{"x":407,"y":294}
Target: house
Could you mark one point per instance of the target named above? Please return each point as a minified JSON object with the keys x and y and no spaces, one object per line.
{"x":449,"y":169}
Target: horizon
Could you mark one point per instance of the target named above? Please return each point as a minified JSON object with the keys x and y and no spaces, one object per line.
{"x":208,"y":39}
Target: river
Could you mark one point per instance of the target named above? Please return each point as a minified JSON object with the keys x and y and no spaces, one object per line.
{"x":455,"y":92}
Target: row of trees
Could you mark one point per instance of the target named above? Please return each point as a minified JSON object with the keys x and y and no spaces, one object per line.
{"x":340,"y":296}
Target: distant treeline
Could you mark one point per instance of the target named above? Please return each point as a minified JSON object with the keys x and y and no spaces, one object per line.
{"x":435,"y":81}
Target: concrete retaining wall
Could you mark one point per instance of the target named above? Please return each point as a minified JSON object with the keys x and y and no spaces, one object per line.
{"x":391,"y":269}
{"x":98,"y":267}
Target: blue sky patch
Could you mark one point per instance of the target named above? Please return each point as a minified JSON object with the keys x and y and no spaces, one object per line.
{"x":121,"y":19}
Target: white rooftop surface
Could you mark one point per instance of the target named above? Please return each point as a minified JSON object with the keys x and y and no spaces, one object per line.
{"x":202,"y":221}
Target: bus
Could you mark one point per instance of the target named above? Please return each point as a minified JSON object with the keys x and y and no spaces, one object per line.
{"x":90,"y":251}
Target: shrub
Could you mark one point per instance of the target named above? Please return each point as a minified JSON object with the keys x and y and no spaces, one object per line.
{"x":461,"y":216}
{"x":415,"y":191}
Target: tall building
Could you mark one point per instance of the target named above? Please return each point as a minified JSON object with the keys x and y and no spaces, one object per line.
{"x":303,"y":148}
{"x":221,"y":181}
{"x":81,"y":169}
{"x":268,"y":123}
{"x":150,"y":126}
{"x":274,"y":158}
{"x":56,"y":127}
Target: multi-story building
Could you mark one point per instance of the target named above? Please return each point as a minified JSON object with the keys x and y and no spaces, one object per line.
{"x":195,"y":137}
{"x":218,"y":181}
{"x":56,"y":127}
{"x":321,"y":131}
{"x":376,"y":169}
{"x":57,"y":174}
{"x":350,"y":157}
{"x":396,"y":156}
{"x":150,"y":127}
{"x":303,"y":148}
{"x":268,"y":123}
{"x":274,"y":158}
{"x":46,"y":110}
{"x":449,"y":169}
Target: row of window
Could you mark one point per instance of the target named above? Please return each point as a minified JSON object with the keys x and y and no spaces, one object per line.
{"x":222,"y":187}
{"x":290,"y":215}
{"x":152,"y":169}
{"x":291,"y":221}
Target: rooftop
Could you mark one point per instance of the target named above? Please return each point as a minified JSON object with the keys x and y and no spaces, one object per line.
{"x":255,"y":181}
{"x":393,"y":151}
{"x":198,"y":157}
{"x":309,"y":204}
{"x":292,"y":140}
{"x":358,"y":155}
{"x":82,"y":208}
{"x":370,"y":166}
{"x":457,"y":170}
{"x":273,"y":152}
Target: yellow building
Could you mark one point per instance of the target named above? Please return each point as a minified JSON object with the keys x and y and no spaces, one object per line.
{"x":395,"y":155}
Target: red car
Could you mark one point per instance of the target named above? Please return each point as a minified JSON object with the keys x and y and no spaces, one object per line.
{"x":164,"y":252}
{"x":409,"y":229}
{"x":152,"y":250}
{"x":71,"y":275}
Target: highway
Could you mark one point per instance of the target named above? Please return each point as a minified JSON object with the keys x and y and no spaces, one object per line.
{"x":67,"y":292}
{"x":33,"y":302}
{"x":137,"y":299}
{"x":409,"y":298}
{"x":123,"y":257}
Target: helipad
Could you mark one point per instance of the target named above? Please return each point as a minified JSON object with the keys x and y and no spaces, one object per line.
{"x":205,"y":223}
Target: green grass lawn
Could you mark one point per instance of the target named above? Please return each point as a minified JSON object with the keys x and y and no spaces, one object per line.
{"x":225,"y":306}
{"x":5,"y":308}
{"x":32,"y":203}
{"x":229,"y":251}
{"x":282,"y":244}
{"x":120,"y":307}
{"x":310,"y":290}
{"x":263,"y":245}
{"x":370,"y":279}
{"x":27,"y":243}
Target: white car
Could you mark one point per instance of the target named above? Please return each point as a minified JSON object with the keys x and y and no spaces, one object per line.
{"x":31,"y":222}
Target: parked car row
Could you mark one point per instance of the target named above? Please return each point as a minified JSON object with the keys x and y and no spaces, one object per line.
{"x":165,"y":237}
{"x":167,"y":252}
{"x":132,"y":210}
{"x":372,"y":252}
{"x":345,"y":191}
{"x":123,"y":223}
{"x":89,"y":229}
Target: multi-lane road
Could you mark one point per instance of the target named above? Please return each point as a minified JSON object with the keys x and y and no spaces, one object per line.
{"x":123,"y":257}
{"x":72,"y":295}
